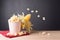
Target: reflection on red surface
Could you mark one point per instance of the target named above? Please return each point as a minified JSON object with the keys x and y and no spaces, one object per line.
{"x":4,"y":33}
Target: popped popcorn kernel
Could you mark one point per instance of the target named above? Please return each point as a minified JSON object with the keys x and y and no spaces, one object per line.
{"x":43,"y":33}
{"x":14,"y":18}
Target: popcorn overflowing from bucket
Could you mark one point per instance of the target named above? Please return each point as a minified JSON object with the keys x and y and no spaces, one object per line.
{"x":17,"y":23}
{"x":14,"y":18}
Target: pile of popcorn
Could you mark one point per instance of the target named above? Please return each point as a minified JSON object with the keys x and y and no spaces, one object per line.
{"x":14,"y":18}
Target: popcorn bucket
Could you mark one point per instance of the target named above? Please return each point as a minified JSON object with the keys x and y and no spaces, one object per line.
{"x":14,"y":27}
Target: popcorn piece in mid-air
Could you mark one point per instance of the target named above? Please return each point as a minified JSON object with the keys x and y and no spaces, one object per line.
{"x":44,"y":18}
{"x":23,"y":13}
{"x":28,"y":9}
{"x":32,"y":11}
{"x":36,"y":11}
{"x":38,"y":16}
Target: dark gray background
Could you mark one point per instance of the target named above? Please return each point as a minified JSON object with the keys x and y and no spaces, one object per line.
{"x":48,"y":8}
